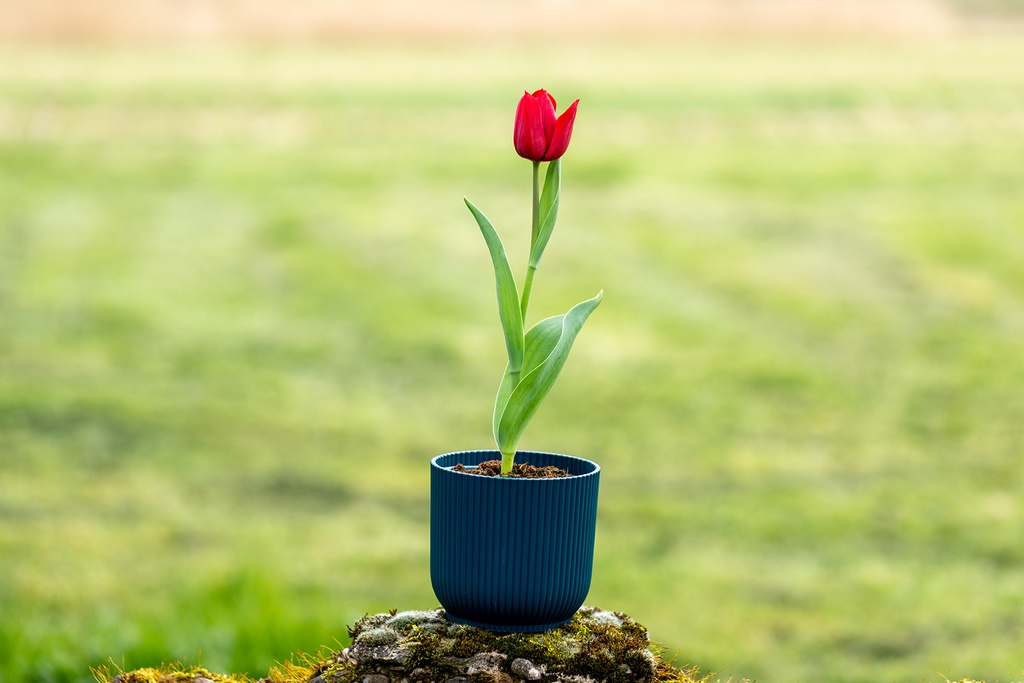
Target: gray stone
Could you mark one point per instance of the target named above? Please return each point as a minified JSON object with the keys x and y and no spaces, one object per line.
{"x":524,"y":668}
{"x":383,"y":654}
{"x":486,"y":663}
{"x":376,"y":678}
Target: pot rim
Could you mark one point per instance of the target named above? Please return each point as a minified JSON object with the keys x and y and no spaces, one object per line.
{"x":595,"y":468}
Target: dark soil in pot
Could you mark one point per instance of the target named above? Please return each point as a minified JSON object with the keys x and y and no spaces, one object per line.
{"x":520,"y":470}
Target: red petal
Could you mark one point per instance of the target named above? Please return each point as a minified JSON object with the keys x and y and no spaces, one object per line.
{"x":537,"y":94}
{"x":562,"y":134}
{"x":528,"y":136}
{"x":546,"y":104}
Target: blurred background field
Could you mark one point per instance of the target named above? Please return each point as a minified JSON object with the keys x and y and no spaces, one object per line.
{"x":242,"y":304}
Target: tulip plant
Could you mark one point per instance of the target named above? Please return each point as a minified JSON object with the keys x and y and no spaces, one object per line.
{"x":536,"y":357}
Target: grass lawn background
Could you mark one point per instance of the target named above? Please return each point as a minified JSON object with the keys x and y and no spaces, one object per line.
{"x":242,"y":304}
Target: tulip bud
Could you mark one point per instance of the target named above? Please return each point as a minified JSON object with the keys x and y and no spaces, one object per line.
{"x":538,"y":134}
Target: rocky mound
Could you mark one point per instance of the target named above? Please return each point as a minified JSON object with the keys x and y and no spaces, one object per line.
{"x":424,"y":646}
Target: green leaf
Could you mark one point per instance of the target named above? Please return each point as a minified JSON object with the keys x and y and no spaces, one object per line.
{"x":547,"y":347}
{"x":548,"y":210}
{"x":540,"y":341}
{"x":508,"y":295}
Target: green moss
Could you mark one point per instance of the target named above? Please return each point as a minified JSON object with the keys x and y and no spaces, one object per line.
{"x":613,"y":647}
{"x":168,"y":674}
{"x":423,"y":650}
{"x":466,"y":642}
{"x":369,"y":621}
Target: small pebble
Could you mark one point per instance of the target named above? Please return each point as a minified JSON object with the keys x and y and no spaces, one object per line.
{"x":524,"y":668}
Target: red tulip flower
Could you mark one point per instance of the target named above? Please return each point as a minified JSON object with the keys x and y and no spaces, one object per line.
{"x":539,"y":135}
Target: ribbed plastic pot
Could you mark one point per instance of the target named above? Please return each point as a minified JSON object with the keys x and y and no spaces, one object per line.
{"x":512,"y":555}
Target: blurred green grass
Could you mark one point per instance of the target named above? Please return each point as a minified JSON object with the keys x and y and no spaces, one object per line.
{"x":243,"y":304}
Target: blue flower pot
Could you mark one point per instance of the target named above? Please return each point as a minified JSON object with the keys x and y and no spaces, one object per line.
{"x":512,"y":555}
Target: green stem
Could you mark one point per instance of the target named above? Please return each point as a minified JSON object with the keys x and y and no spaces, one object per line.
{"x":527,"y":288}
{"x":506,"y":462}
{"x":534,"y":234}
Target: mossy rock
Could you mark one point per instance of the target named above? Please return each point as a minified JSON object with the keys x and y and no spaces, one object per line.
{"x":424,"y":646}
{"x":419,"y":646}
{"x":594,"y":646}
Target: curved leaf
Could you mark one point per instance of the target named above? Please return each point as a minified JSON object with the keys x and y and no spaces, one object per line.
{"x":540,"y":341}
{"x":508,"y":295}
{"x":526,"y":396}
